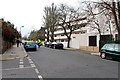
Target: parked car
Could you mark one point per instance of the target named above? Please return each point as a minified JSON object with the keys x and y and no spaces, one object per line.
{"x":47,"y":44}
{"x":110,"y":50}
{"x":29,"y":45}
{"x":56,"y":45}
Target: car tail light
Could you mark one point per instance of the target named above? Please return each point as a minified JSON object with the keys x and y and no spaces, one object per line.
{"x":101,"y":49}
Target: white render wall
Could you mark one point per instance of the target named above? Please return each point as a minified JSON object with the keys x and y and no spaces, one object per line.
{"x":82,"y":40}
{"x":78,"y":40}
{"x":65,"y":44}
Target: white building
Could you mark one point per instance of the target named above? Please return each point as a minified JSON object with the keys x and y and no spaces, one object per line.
{"x":86,"y":38}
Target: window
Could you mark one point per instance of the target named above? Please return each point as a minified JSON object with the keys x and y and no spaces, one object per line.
{"x":82,"y":32}
{"x":62,"y":35}
{"x":55,"y":35}
{"x":62,"y":40}
{"x":92,"y":40}
{"x":110,"y":46}
{"x":76,"y":33}
{"x":117,"y":47}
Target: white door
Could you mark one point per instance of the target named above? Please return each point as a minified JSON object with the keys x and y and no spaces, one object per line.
{"x":75,"y":42}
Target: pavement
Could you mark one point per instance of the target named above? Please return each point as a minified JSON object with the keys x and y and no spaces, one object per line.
{"x":91,"y":53}
{"x":95,"y":53}
{"x":70,"y":48}
{"x":13,"y":53}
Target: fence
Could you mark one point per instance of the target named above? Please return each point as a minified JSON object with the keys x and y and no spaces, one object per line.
{"x":102,"y":43}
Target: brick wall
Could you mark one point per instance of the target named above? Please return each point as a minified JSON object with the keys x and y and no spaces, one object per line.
{"x":90,"y":48}
{"x":6,"y":45}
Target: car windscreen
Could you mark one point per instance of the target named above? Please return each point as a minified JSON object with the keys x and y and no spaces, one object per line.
{"x":30,"y":43}
{"x":117,"y":47}
{"x":59,"y":43}
{"x":109,"y":46}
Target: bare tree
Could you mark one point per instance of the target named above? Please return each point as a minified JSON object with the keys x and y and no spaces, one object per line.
{"x":50,"y":20}
{"x":69,"y":20}
{"x":95,"y":9}
{"x":47,"y":22}
{"x":92,"y":16}
{"x":114,"y":7}
{"x":53,"y":20}
{"x":108,"y":17}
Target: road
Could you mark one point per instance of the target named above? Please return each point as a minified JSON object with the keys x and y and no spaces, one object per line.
{"x":55,"y":63}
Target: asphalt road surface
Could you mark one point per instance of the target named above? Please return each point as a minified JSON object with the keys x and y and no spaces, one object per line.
{"x":55,"y":63}
{"x":47,"y":63}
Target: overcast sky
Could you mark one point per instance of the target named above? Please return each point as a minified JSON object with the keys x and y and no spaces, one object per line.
{"x":28,"y":13}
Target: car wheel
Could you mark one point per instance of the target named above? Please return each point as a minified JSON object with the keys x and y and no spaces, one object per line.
{"x":103,"y":55}
{"x":35,"y":49}
{"x":26,"y":50}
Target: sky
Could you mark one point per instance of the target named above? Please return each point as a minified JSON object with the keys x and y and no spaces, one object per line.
{"x":28,"y":13}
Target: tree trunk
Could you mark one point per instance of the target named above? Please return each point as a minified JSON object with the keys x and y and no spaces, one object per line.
{"x":48,"y":36}
{"x":115,"y":18}
{"x":47,"y":39}
{"x":52,"y":33}
{"x":68,"y":45}
{"x":52,"y":37}
{"x":119,"y":35}
{"x":118,"y":4}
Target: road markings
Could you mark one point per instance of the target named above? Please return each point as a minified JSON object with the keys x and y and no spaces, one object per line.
{"x":39,"y":76}
{"x":17,"y":57}
{"x":21,"y":66}
{"x":31,"y":62}
{"x":21,"y":62}
{"x":36,"y":70}
{"x":15,"y":68}
{"x":32,"y":65}
{"x":29,"y":59}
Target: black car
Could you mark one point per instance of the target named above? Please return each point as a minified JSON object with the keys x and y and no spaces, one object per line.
{"x":56,"y":45}
{"x":47,"y":44}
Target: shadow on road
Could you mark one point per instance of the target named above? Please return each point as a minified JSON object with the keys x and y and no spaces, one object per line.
{"x":113,"y":59}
